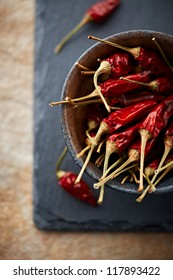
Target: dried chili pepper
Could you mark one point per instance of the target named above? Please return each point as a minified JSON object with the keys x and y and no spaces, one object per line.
{"x":118,"y":142}
{"x":154,"y":123}
{"x":159,"y":85}
{"x":124,"y":116}
{"x":96,"y":13}
{"x":67,"y":182}
{"x":147,"y":59}
{"x":116,"y":65}
{"x":116,"y":87}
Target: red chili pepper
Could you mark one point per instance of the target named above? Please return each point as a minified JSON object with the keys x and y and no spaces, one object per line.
{"x":160,"y":85}
{"x":79,"y":190}
{"x":154,"y":123}
{"x":118,"y":142}
{"x":125,"y":116}
{"x":116,"y":65}
{"x":147,"y":59}
{"x":96,"y":13}
{"x":116,"y":87}
{"x":67,"y":182}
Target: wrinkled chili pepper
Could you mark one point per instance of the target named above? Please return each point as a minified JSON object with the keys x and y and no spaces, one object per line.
{"x":116,"y":87}
{"x":147,"y":59}
{"x":117,"y":143}
{"x":133,"y":156}
{"x":124,"y":116}
{"x":160,"y":85}
{"x":96,"y":13}
{"x":154,"y":123}
{"x":67,"y":182}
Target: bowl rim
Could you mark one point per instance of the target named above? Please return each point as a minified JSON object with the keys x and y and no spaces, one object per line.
{"x":68,"y":141}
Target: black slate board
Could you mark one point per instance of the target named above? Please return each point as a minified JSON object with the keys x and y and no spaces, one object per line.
{"x":54,"y":209}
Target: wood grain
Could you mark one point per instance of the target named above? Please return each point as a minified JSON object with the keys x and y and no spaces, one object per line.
{"x":19,"y":238}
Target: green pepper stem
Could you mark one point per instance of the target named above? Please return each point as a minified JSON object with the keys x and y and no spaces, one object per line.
{"x":84,"y":21}
{"x":133,"y":51}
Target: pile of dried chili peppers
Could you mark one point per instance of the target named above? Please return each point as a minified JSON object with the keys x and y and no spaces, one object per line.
{"x":129,"y":119}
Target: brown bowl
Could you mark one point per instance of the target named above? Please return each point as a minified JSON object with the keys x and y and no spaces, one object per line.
{"x":76,"y":85}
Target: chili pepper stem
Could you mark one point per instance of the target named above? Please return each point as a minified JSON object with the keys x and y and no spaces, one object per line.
{"x":124,"y":179}
{"x":82,"y":67}
{"x":83,"y":151}
{"x":111,"y":167}
{"x":165,"y":166}
{"x":86,"y":19}
{"x":145,"y":136}
{"x":133,"y":51}
{"x":87,"y":72}
{"x":134,"y":176}
{"x":134,"y":156}
{"x":168,"y":147}
{"x":60,"y":173}
{"x":135,"y":82}
{"x":162,"y":53}
{"x":104,"y":128}
{"x":72,"y":101}
{"x":103,"y":99}
{"x":99,"y":160}
{"x":85,"y":164}
{"x":99,"y":184}
{"x":141,"y":197}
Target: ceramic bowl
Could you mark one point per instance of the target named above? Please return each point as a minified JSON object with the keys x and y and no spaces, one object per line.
{"x":76,"y":85}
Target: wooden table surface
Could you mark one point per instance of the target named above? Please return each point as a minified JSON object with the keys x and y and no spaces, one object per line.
{"x":19,"y":238}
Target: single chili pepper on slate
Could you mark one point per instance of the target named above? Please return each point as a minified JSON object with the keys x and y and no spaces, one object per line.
{"x":147,"y":59}
{"x":67,"y":181}
{"x":134,"y":155}
{"x":154,"y":123}
{"x":160,"y":85}
{"x":96,"y":13}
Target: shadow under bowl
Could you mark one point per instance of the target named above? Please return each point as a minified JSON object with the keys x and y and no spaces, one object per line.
{"x":76,"y":85}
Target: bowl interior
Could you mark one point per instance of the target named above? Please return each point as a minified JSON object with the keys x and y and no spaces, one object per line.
{"x":76,"y":85}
